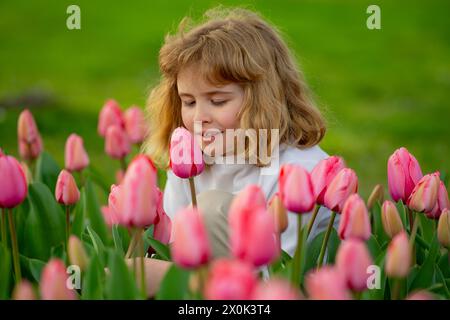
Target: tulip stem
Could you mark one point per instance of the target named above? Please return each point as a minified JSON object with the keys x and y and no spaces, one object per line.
{"x":132,"y":245}
{"x":395,"y":293}
{"x":123,"y":164}
{"x":298,"y":254}
{"x":410,"y":218}
{"x":325,"y":240}
{"x":142,"y":249}
{"x":313,"y":218}
{"x":67,"y":226}
{"x":412,"y":239}
{"x":15,"y":247}
{"x":4,"y":238}
{"x":193,"y":195}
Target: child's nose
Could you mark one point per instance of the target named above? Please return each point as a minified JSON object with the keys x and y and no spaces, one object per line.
{"x":202,"y":113}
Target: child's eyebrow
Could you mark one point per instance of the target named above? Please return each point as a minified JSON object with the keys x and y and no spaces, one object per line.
{"x":208,"y":93}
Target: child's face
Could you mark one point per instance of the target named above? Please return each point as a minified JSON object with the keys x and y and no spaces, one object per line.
{"x":215,"y":107}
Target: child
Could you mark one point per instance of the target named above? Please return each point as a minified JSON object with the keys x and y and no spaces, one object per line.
{"x":233,"y":71}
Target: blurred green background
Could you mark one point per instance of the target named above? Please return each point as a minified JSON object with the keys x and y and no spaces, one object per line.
{"x":379,"y":89}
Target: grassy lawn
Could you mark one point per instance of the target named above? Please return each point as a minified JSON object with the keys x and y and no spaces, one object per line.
{"x":379,"y":89}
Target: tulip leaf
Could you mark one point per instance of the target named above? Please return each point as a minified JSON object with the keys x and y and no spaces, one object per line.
{"x":313,"y":251}
{"x":5,"y":272}
{"x":424,"y":277}
{"x":93,"y":280}
{"x":98,"y":179}
{"x":161,"y":249}
{"x":32,"y":268}
{"x":440,"y":277}
{"x":374,"y":246}
{"x":377,"y":228}
{"x":333,"y":244}
{"x":427,"y":227}
{"x":78,"y":215}
{"x":45,"y":225}
{"x":175,"y":284}
{"x":120,"y":283}
{"x":47,"y":170}
{"x":93,"y":213}
{"x":117,"y":239}
{"x":97,"y":243}
{"x":444,"y":265}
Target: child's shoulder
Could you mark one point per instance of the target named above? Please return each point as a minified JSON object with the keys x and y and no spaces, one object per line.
{"x":307,"y":157}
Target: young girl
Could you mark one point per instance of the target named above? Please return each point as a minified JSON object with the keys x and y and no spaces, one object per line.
{"x":233,"y":71}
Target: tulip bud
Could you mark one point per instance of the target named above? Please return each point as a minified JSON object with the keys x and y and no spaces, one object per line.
{"x":30,"y":142}
{"x":230,"y":280}
{"x":66,"y":191}
{"x":403,"y":174}
{"x":421,"y":295}
{"x":390,"y":218}
{"x":190,"y":246}
{"x":425,"y":193}
{"x":186,"y":158}
{"x":77,"y":254}
{"x":27,"y":172}
{"x":352,"y":260}
{"x":444,"y":228}
{"x":53,"y":285}
{"x":355,"y":221}
{"x":340,"y":188}
{"x":135,"y":124}
{"x":117,"y":143}
{"x":110,"y":115}
{"x":24,"y":291}
{"x":398,"y":256}
{"x":13,"y":183}
{"x":163,"y":224}
{"x":138,"y":197}
{"x":296,"y":189}
{"x":111,"y":212}
{"x":75,"y":156}
{"x":327,"y":283}
{"x":279,"y":213}
{"x":119,"y":176}
{"x":441,"y":203}
{"x":323,"y":173}
{"x":276,"y":289}
{"x":377,"y":195}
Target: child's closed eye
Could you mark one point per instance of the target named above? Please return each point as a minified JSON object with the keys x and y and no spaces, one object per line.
{"x":219,"y":102}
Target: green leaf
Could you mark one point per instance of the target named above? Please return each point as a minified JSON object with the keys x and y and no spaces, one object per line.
{"x":427,"y":227}
{"x":425,"y":275}
{"x":378,"y":229}
{"x":374,"y":246}
{"x":5,"y":272}
{"x":441,"y":279}
{"x":47,"y":170}
{"x":93,"y":280}
{"x":32,"y":268}
{"x":174,"y":286}
{"x":99,"y":179}
{"x":97,"y":243}
{"x":120,"y":283}
{"x":333,"y":245}
{"x":93,"y":213}
{"x":444,"y":265}
{"x":160,"y":248}
{"x":78,"y":215}
{"x":117,"y":239}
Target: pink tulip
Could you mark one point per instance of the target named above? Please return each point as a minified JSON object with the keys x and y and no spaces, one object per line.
{"x":443,"y":229}
{"x":425,"y":194}
{"x":327,"y":283}
{"x":30,"y":142}
{"x":352,"y":260}
{"x":355,"y":219}
{"x":24,"y":291}
{"x":75,"y":156}
{"x":110,"y":115}
{"x":190,"y":245}
{"x":119,"y":176}
{"x":398,"y":256}
{"x":138,"y":197}
{"x":251,"y":228}
{"x":13,"y":183}
{"x":296,"y":189}
{"x":279,"y":213}
{"x":66,"y":191}
{"x":390,"y":218}
{"x":403,"y":174}
{"x":111,"y":212}
{"x":135,"y":124}
{"x":323,"y":173}
{"x":340,"y":188}
{"x":230,"y":280}
{"x":441,"y":203}
{"x":53,"y":285}
{"x":117,"y":143}
{"x":186,"y":158}
{"x":163,"y":224}
{"x":276,"y":289}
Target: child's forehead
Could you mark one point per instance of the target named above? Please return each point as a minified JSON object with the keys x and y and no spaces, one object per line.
{"x":191,"y":80}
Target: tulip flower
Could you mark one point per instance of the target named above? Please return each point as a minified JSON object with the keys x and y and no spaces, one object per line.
{"x":119,"y":176}
{"x":186,"y":159}
{"x":398,"y":257}
{"x":340,"y":188}
{"x":75,"y":156}
{"x":138,"y":196}
{"x":117,"y":143}
{"x":323,"y":173}
{"x":230,"y":280}
{"x":163,"y":224}
{"x":24,"y":291}
{"x":352,"y":260}
{"x":111,"y":212}
{"x":27,"y":172}
{"x":279,"y":213}
{"x":53,"y":285}
{"x":326,"y":283}
{"x":66,"y":191}
{"x":441,"y":203}
{"x":13,"y":183}
{"x":190,"y":245}
{"x":30,"y":142}
{"x":110,"y":115}
{"x":377,"y":195}
{"x":354,"y":219}
{"x":251,"y":228}
{"x":135,"y":124}
{"x":425,"y":194}
{"x":403,"y":174}
{"x":77,"y":253}
{"x":276,"y":289}
{"x":443,"y":229}
{"x":296,"y":189}
{"x":390,"y":218}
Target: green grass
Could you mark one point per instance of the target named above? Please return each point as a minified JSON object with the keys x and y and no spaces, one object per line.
{"x":379,"y":89}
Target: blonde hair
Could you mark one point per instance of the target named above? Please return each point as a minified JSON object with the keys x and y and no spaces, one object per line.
{"x":234,"y":46}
